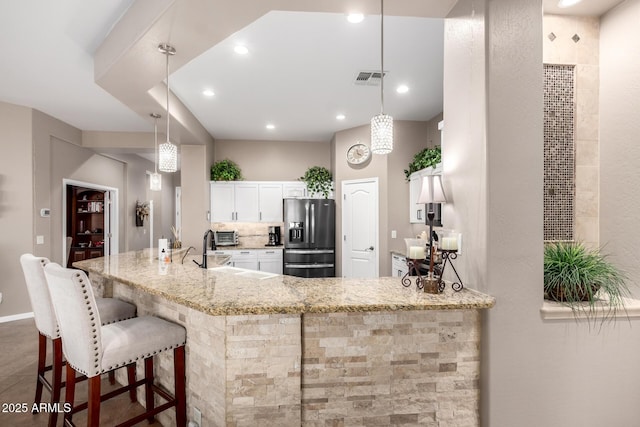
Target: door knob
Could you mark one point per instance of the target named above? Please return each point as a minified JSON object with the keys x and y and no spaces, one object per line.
{"x":370,"y":248}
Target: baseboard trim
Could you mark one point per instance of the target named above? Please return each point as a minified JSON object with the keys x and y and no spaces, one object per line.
{"x":14,"y":317}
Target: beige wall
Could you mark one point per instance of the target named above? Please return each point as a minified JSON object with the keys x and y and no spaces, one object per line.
{"x":534,"y":372}
{"x":585,"y":56}
{"x":409,"y":138}
{"x":273,"y":160}
{"x":195,"y":194}
{"x":619,"y":133}
{"x":16,"y":201}
{"x":40,"y":152}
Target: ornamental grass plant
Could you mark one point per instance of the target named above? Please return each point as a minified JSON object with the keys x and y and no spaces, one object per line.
{"x":583,"y":279}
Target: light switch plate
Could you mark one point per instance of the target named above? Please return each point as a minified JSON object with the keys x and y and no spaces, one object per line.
{"x":197,"y":416}
{"x":39,"y":240}
{"x":394,"y":234}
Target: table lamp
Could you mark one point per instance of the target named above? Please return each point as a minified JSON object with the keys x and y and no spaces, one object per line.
{"x":430,"y":193}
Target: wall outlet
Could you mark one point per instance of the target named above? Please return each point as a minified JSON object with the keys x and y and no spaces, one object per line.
{"x":39,"y":240}
{"x":197,"y":416}
{"x":394,"y":234}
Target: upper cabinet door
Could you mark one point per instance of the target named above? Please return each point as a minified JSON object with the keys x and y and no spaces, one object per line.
{"x":294,"y":189}
{"x":247,"y":202}
{"x":222,"y":202}
{"x":416,"y":211}
{"x":270,"y":199}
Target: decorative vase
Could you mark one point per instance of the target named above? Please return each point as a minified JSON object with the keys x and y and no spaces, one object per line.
{"x":139,"y":221}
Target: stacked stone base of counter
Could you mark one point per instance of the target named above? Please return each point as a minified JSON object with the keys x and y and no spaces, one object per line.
{"x":405,"y":368}
{"x":412,"y":368}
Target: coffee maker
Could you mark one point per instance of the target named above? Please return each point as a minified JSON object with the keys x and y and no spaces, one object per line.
{"x":274,"y":236}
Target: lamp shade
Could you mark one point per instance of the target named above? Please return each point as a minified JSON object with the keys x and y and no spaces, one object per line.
{"x":382,"y":134}
{"x":155,"y":181}
{"x":168,"y":157}
{"x":432,"y":191}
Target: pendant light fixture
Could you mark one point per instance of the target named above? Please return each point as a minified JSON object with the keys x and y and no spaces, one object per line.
{"x":155,"y":179}
{"x":167,"y":152}
{"x":382,"y":124}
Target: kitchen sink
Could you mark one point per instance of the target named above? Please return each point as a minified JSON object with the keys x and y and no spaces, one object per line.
{"x":260,"y":275}
{"x":227,"y":269}
{"x":251,"y":274}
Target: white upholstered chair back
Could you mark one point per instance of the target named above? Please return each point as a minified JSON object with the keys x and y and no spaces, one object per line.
{"x":33,"y":269}
{"x":78,"y":318}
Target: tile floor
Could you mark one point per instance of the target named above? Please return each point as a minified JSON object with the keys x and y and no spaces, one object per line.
{"x":18,"y":361}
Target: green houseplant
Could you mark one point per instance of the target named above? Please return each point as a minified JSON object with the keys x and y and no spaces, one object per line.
{"x":225,"y":170}
{"x":318,"y":180}
{"x":583,"y":279}
{"x":424,"y":159}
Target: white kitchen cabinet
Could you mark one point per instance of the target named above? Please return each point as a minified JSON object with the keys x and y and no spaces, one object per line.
{"x":297,"y":189}
{"x":234,"y":201}
{"x":247,"y":202}
{"x":417,"y":214}
{"x":270,"y":260}
{"x":222,"y":202}
{"x":245,"y":259}
{"x":270,"y":202}
{"x":398,"y":265}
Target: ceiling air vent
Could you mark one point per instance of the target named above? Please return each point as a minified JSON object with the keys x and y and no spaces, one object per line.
{"x":369,"y":78}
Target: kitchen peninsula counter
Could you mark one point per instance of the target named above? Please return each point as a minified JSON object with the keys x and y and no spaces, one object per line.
{"x":289,"y":351}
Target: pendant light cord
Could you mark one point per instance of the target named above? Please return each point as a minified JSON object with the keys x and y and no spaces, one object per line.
{"x":168,"y":115}
{"x":381,"y":56}
{"x":155,"y":138}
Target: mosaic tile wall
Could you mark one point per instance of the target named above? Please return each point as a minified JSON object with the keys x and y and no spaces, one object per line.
{"x":559,"y":152}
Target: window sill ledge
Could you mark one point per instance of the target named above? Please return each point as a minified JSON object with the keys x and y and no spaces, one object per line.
{"x":555,"y":311}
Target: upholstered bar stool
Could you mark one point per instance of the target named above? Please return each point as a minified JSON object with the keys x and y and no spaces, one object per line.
{"x":110,"y":309}
{"x":92,"y":349}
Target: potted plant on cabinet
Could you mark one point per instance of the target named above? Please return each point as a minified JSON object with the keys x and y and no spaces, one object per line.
{"x":225,"y":170}
{"x":318,"y":180}
{"x":424,"y":159}
{"x":583,"y":279}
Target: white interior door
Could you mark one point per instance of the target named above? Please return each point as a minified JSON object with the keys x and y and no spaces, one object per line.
{"x":360,"y":228}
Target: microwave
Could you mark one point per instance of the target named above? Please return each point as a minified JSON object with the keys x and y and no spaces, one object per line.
{"x":226,"y":238}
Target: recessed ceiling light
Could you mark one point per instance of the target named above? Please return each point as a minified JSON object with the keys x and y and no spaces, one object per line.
{"x":241,"y":50}
{"x":568,"y":3}
{"x":402,"y":89}
{"x":208,"y":92}
{"x":270,"y":126}
{"x":341,"y":117}
{"x":355,"y":18}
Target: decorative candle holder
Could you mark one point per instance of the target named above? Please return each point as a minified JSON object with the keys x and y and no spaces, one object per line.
{"x":413,"y":265}
{"x":448,"y":255}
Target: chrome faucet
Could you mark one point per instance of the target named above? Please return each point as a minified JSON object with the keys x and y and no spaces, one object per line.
{"x":204,"y":247}
{"x":186,"y":253}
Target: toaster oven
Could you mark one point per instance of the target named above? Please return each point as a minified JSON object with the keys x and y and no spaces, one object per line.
{"x":226,"y":238}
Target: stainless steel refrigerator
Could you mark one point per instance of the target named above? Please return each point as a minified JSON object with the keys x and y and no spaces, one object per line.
{"x":309,"y":246}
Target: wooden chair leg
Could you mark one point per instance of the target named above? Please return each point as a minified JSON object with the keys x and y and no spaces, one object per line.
{"x":42,"y":356}
{"x":148,"y":383}
{"x":131,"y":378}
{"x":179,"y":382}
{"x":112,"y":377}
{"x":93,"y":416}
{"x":69,"y":394}
{"x":56,"y":379}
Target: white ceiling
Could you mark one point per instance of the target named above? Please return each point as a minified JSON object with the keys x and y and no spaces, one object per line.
{"x":584,"y":8}
{"x":298,"y":73}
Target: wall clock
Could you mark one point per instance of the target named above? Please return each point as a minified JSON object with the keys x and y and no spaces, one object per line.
{"x":358,"y":154}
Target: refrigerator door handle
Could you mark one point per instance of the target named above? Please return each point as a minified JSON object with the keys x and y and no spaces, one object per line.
{"x":309,"y":251}
{"x":313,"y":223}
{"x":306,"y":223}
{"x":294,"y":266}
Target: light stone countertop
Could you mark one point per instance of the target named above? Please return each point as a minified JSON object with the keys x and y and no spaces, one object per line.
{"x":219,"y":293}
